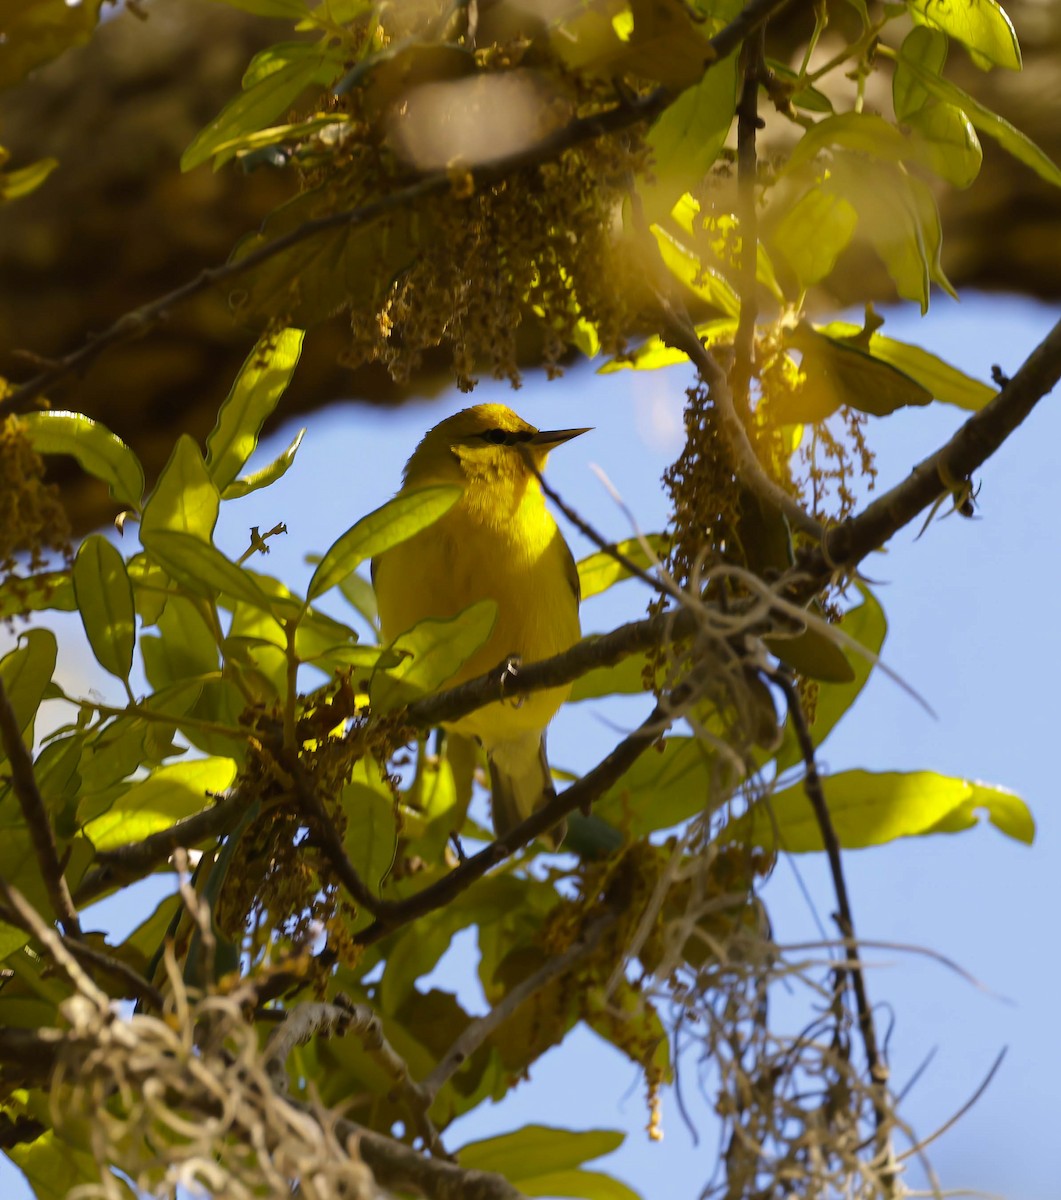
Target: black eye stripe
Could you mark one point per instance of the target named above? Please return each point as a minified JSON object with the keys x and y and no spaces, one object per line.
{"x":505,"y":437}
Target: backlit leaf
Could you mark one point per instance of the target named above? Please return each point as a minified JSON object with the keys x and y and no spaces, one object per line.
{"x":26,"y":672}
{"x":185,"y":498}
{"x":269,"y":474}
{"x":600,"y":571}
{"x":262,"y":380}
{"x":869,"y":809}
{"x":537,"y":1150}
{"x":394,"y":522}
{"x":105,"y":601}
{"x":99,"y":451}
{"x":981,"y":25}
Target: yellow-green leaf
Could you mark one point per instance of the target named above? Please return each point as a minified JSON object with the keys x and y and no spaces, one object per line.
{"x":105,"y":601}
{"x":14,"y":184}
{"x":870,"y":809}
{"x":154,"y":804}
{"x":26,"y":673}
{"x":185,"y":497}
{"x":269,"y":474}
{"x":981,"y":25}
{"x":262,"y":380}
{"x":387,"y":526}
{"x":99,"y":451}
{"x":600,"y":571}
{"x":537,"y":1150}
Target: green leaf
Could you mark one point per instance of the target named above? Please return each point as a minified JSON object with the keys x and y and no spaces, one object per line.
{"x":261,"y":103}
{"x":866,"y":133}
{"x":262,"y":380}
{"x":869,"y":809}
{"x":814,"y":654}
{"x":866,"y":625}
{"x":981,"y":25}
{"x":686,"y":139}
{"x":269,"y":474}
{"x":185,"y":497}
{"x":944,"y":382}
{"x":14,"y":184}
{"x":625,"y":678}
{"x":20,"y":594}
{"x":537,"y":1150}
{"x":169,"y":794}
{"x":1008,"y":137}
{"x":890,"y":215}
{"x":55,"y":1167}
{"x":36,"y":31}
{"x":839,"y":371}
{"x":371,"y":836}
{"x":704,"y":281}
{"x":435,"y":650}
{"x":105,"y":601}
{"x":590,"y":1185}
{"x":203,"y":569}
{"x":98,"y":451}
{"x":813,"y":232}
{"x":600,"y":571}
{"x":395,"y":522}
{"x":662,"y":789}
{"x":653,"y":353}
{"x":947,"y":143}
{"x":26,"y":673}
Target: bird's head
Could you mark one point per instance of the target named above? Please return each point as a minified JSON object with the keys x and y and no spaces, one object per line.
{"x":486,"y":444}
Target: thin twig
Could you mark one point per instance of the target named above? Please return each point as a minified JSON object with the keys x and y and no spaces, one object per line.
{"x":35,"y":814}
{"x":29,"y":919}
{"x":623,"y":116}
{"x":609,"y":548}
{"x":812,"y":785}
{"x":479,"y":1030}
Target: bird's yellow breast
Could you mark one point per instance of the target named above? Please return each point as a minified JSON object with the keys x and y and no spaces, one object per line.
{"x":511,"y":553}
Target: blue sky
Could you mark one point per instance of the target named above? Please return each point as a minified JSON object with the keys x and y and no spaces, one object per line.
{"x":971,"y":609}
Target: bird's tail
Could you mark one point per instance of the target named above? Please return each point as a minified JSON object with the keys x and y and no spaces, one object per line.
{"x":521,"y":783}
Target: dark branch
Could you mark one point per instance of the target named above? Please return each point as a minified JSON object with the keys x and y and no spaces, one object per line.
{"x":125,"y":864}
{"x":983,"y":433}
{"x":36,"y":817}
{"x":580,"y":795}
{"x":844,"y":916}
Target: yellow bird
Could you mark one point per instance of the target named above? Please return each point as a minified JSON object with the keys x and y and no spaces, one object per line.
{"x":497,"y":542}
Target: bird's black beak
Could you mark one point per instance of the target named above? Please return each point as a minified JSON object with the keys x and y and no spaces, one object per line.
{"x":547,"y":438}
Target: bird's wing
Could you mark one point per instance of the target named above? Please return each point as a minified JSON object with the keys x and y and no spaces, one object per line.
{"x":571,"y":570}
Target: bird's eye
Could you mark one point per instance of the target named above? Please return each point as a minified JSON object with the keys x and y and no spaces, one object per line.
{"x":496,"y":437}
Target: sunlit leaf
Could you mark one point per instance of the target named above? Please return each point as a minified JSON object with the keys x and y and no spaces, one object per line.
{"x":812,"y":233}
{"x":262,"y":380}
{"x":99,"y":451}
{"x":434,"y":650}
{"x":26,"y":672}
{"x":185,"y":498}
{"x":14,"y":184}
{"x":662,"y":789}
{"x":167,"y":795}
{"x":268,"y":475}
{"x":654,"y":353}
{"x":981,"y":25}
{"x":704,"y":281}
{"x":394,"y":522}
{"x":686,"y":139}
{"x":869,"y":809}
{"x":1008,"y":136}
{"x":262,"y":101}
{"x":944,"y":382}
{"x":105,"y":601}
{"x":537,"y":1150}
{"x":36,"y":31}
{"x":600,"y":571}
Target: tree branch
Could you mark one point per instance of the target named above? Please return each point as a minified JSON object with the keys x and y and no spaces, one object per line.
{"x":582,"y":129}
{"x":128,"y":863}
{"x":35,"y":814}
{"x":844,"y":917}
{"x":845,"y":545}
